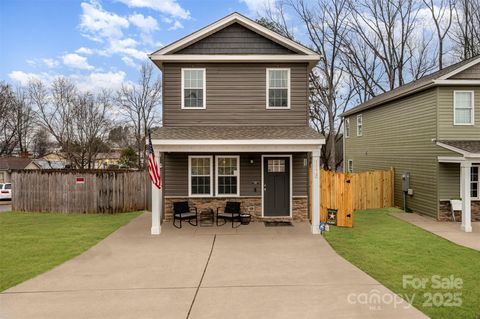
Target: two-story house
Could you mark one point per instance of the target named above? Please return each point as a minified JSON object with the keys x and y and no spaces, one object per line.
{"x":236,"y":123}
{"x":429,"y":128}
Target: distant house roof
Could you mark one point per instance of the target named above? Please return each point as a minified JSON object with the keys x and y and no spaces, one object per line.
{"x":237,"y":133}
{"x":437,"y":78}
{"x":46,"y":164}
{"x":9,"y":163}
{"x":462,"y":146}
{"x":109,"y":155}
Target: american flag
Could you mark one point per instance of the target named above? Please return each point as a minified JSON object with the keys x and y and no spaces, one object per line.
{"x":152,"y":165}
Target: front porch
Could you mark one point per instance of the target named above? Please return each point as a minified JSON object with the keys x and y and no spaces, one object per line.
{"x":468,"y":167}
{"x":267,"y":172}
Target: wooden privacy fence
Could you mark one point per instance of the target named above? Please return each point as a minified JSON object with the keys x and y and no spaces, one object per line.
{"x":347,"y":192}
{"x":79,"y":191}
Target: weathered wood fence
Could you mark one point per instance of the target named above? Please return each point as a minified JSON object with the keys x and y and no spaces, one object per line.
{"x":347,"y":192}
{"x":75,"y":191}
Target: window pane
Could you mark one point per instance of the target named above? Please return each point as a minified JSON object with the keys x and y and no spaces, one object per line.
{"x":276,"y":166}
{"x":193,"y":98}
{"x":463,"y":100}
{"x":463,"y":116}
{"x":474,"y":190}
{"x":278,"y":78}
{"x":474,"y":174}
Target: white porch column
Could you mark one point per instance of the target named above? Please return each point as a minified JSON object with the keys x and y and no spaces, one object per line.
{"x":156,"y":204}
{"x":316,"y":192}
{"x":465,"y":172}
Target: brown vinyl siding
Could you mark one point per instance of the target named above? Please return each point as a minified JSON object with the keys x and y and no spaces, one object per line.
{"x":399,"y":134}
{"x":235,"y":39}
{"x":446,"y":129}
{"x":236,"y":95}
{"x":176,"y":174}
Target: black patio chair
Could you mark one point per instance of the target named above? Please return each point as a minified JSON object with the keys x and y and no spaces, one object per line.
{"x":181,"y":211}
{"x":230,"y":212}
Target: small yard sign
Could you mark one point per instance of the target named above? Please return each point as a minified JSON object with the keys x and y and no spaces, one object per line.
{"x":80,"y":180}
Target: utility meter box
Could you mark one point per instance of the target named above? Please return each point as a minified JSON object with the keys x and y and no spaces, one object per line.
{"x":406,"y":182}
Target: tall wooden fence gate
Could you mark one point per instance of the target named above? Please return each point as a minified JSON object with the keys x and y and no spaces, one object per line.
{"x":347,"y":192}
{"x":75,"y":191}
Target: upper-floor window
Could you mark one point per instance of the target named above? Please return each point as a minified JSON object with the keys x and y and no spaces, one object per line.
{"x":359,"y":125}
{"x":463,"y":108}
{"x":193,"y":88}
{"x":347,"y":127}
{"x":278,"y":88}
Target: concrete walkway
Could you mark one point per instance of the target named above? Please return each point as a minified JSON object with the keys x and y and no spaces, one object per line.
{"x":249,"y":272}
{"x":448,"y":230}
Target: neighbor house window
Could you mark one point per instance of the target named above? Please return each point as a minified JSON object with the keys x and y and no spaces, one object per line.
{"x":228,"y":169}
{"x":278,"y":88}
{"x":475,"y":183}
{"x":200,"y":171}
{"x":193,"y":89}
{"x":359,"y":125}
{"x":347,"y":127}
{"x":350,"y":166}
{"x":463,"y":108}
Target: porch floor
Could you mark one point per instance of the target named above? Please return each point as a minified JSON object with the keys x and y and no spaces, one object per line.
{"x":203,"y":272}
{"x":448,"y":230}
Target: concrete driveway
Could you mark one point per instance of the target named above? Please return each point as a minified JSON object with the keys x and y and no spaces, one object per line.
{"x":249,"y":272}
{"x":5,"y":206}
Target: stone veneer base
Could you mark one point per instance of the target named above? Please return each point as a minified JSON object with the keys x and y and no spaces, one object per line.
{"x":445,"y":214}
{"x":250,"y":205}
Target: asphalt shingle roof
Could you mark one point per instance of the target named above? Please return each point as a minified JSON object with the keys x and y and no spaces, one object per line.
{"x":236,"y":133}
{"x":468,"y":146}
{"x":408,"y":88}
{"x":8,"y":163}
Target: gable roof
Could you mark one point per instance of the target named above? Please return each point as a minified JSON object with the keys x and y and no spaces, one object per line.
{"x":9,"y":163}
{"x":441,"y":77}
{"x":301,"y":53}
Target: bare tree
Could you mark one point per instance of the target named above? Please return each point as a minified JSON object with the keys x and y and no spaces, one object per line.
{"x":7,"y":127}
{"x":22,"y":118}
{"x":139,"y":104}
{"x":77,"y":121}
{"x":442,"y":16}
{"x":466,"y":30}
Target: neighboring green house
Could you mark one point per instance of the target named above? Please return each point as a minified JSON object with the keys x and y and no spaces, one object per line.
{"x":429,"y":128}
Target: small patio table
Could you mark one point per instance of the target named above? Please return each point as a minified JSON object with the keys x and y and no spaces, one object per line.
{"x":206,"y":218}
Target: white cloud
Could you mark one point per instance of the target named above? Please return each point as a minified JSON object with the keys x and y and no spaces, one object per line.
{"x":98,"y":24}
{"x":84,"y":50}
{"x":146,"y":24}
{"x":23,"y":77}
{"x":129,"y":61}
{"x":51,"y":63}
{"x":76,"y":61}
{"x":258,"y":6}
{"x":170,"y":7}
{"x":100,"y":80}
{"x":176,"y":25}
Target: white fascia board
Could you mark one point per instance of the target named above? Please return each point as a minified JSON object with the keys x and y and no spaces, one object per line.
{"x":457,"y":82}
{"x":240,"y":142}
{"x":456,"y":71}
{"x":234,"y":58}
{"x":228,"y":20}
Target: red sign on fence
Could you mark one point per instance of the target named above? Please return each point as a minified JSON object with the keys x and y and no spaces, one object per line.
{"x":80,"y":180}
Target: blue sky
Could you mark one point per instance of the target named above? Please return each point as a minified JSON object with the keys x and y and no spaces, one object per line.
{"x":98,"y":43}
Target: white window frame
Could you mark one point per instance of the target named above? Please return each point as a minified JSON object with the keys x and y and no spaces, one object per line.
{"x":472,"y":110}
{"x":477,"y":182}
{"x":204,"y":88}
{"x":350,"y":166}
{"x":217,"y":175}
{"x":267,"y":89}
{"x":347,"y":127}
{"x":359,"y":124}
{"x":190,"y":176}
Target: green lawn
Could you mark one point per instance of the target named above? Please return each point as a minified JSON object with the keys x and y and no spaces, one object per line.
{"x":32,"y":243}
{"x":388,"y":248}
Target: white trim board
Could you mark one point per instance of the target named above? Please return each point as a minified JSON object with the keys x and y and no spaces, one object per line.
{"x":291,"y":184}
{"x":192,"y":148}
{"x":226,"y":21}
{"x":161,"y":142}
{"x":458,"y":70}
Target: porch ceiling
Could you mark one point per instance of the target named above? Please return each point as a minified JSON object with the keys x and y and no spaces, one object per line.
{"x":468,"y":149}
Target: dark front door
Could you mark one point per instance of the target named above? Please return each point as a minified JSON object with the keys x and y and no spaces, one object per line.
{"x":276,"y":188}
